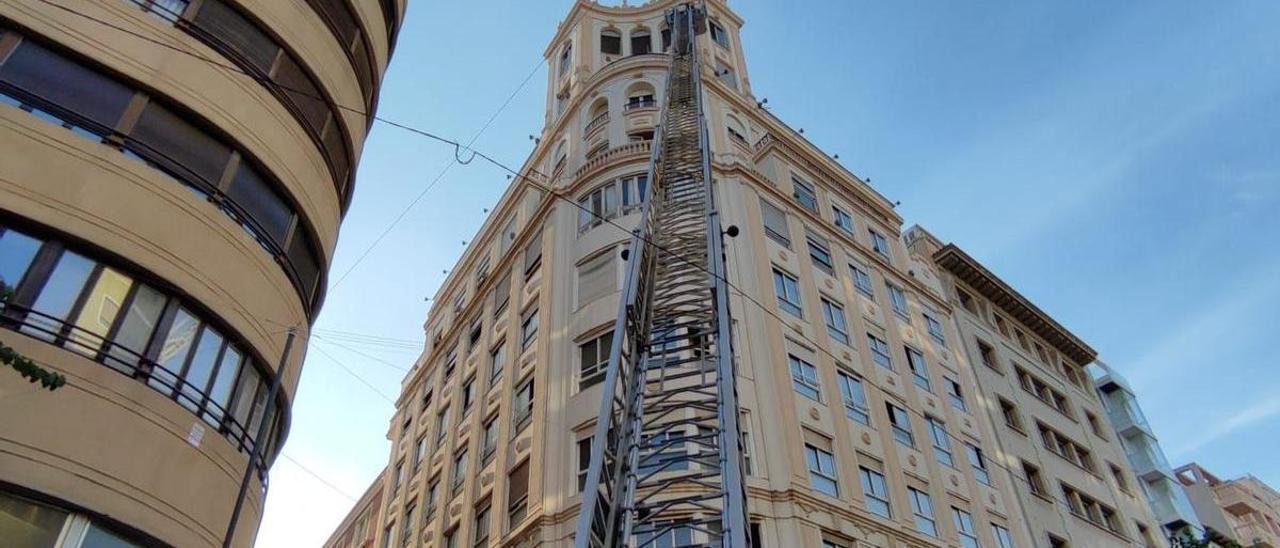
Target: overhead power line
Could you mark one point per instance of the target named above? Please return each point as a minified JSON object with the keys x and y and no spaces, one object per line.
{"x":459,"y":149}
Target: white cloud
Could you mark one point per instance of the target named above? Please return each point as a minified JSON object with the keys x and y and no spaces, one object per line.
{"x":1255,"y":413}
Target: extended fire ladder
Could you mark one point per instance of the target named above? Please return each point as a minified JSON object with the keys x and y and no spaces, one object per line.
{"x":666,"y":458}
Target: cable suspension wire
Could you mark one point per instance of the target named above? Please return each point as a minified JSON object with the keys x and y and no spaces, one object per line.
{"x":318,"y":477}
{"x":461,"y":148}
{"x":399,"y":368}
{"x":370,"y":385}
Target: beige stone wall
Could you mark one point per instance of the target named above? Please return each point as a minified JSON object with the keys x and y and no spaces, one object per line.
{"x":108,"y":443}
{"x":778,"y":419}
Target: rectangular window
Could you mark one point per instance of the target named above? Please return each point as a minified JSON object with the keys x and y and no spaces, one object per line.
{"x":1001,"y":325}
{"x":820,"y":252}
{"x":879,"y":244}
{"x":922,"y":507}
{"x":397,"y":479}
{"x":501,"y":294}
{"x":861,"y":280}
{"x":941,"y":444}
{"x":935,"y":330}
{"x":879,"y":351}
{"x":473,"y":338}
{"x":919,"y":370}
{"x":843,"y":220}
{"x":718,"y":35}
{"x":517,"y":494}
{"x":409,"y":515}
{"x":955,"y":394}
{"x":897,"y":299}
{"x":1002,"y":536}
{"x":805,"y":378}
{"x":901,"y":424}
{"x":480,"y":531}
{"x":775,"y":223}
{"x":420,"y":454}
{"x":1118,"y":475}
{"x":964,"y":525}
{"x":822,"y":469}
{"x":788,"y":290}
{"x":875,"y":492}
{"x":59,"y":295}
{"x":433,"y":496}
{"x":497,"y":361}
{"x":468,"y":395}
{"x":988,"y":355}
{"x":459,"y":471}
{"x":533,"y":253}
{"x":1010,"y":413}
{"x":1034,"y":481}
{"x":854,"y":397}
{"x":967,"y":302}
{"x":489,"y":439}
{"x":523,"y":406}
{"x":529,"y":329}
{"x":594,"y":358}
{"x":979,"y":463}
{"x":584,"y":461}
{"x":640,"y":44}
{"x":803,"y":193}
{"x":442,"y":426}
{"x":597,"y":277}
{"x":833,"y":315}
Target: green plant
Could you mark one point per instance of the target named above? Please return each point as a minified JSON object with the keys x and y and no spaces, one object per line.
{"x":29,"y":370}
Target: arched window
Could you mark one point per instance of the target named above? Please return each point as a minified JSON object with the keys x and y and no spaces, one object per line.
{"x":598,"y":116}
{"x":611,"y":42}
{"x":641,"y":42}
{"x":640,"y":95}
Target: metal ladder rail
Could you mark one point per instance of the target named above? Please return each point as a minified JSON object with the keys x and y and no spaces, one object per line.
{"x":670,"y":376}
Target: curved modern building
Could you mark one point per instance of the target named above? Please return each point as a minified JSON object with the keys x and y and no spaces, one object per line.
{"x":173,"y":174}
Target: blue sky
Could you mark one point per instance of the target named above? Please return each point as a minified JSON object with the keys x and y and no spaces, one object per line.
{"x":1118,"y":163}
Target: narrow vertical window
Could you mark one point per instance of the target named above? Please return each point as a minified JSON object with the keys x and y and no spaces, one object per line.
{"x":922,"y":507}
{"x":787,"y":288}
{"x":833,"y":315}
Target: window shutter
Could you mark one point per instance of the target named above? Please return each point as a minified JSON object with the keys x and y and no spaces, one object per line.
{"x":65,"y":83}
{"x":597,"y":277}
{"x":502,"y":292}
{"x":533,"y":253}
{"x":775,"y":221}
{"x":518,"y":482}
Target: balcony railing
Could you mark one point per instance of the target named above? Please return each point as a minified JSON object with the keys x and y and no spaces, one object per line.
{"x":640,"y":148}
{"x":597,"y":122}
{"x":646,"y":103}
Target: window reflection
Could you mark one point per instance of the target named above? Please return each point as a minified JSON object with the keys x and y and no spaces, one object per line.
{"x":67,"y":299}
{"x":99,"y":311}
{"x":58,"y":296}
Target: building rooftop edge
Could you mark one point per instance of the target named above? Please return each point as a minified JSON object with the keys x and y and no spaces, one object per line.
{"x":955,"y":260}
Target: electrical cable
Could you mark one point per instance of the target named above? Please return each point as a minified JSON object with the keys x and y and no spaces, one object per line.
{"x":318,"y":477}
{"x":371,"y":357}
{"x":326,"y":354}
{"x":458,"y":149}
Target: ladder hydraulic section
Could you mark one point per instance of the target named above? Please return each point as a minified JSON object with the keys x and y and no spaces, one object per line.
{"x":666,"y":458}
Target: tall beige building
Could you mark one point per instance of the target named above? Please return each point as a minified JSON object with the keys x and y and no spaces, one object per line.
{"x":863,"y":421}
{"x":1070,"y":475}
{"x":172,"y":177}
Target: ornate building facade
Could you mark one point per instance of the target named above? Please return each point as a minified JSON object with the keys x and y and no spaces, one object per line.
{"x":864,"y":423}
{"x":172,"y":177}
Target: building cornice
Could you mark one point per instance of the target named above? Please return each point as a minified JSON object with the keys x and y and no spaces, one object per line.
{"x":969,"y":270}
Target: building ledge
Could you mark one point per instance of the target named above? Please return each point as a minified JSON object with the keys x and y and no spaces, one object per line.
{"x":992,"y":287}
